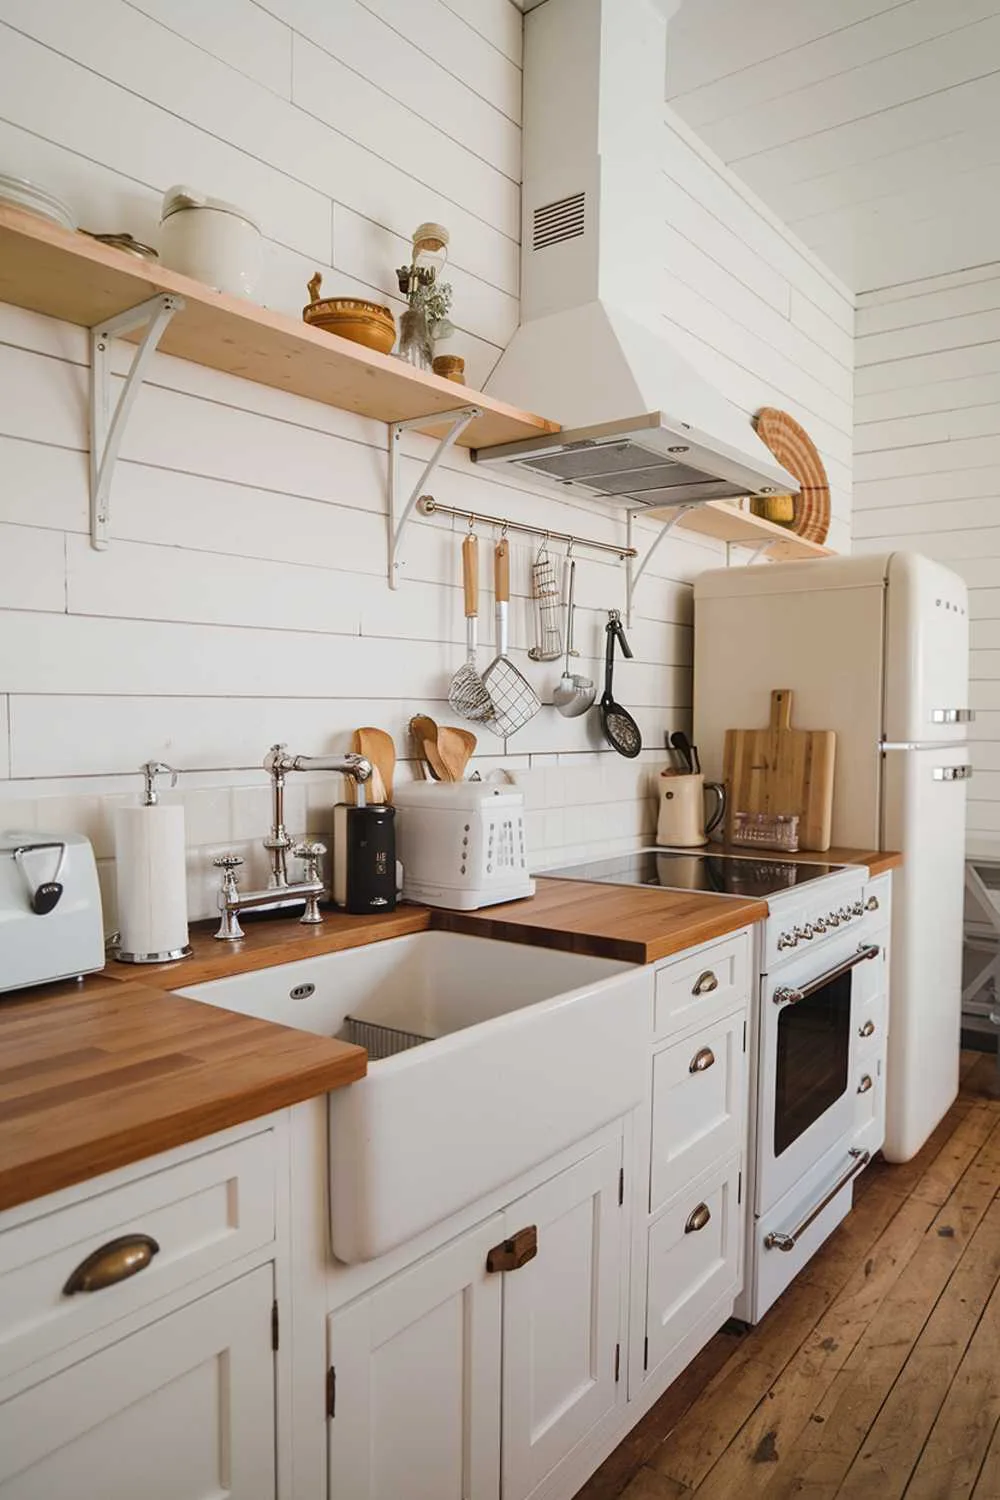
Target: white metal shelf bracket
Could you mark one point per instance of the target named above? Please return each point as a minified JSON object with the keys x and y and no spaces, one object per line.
{"x":107,"y":426}
{"x":632,"y":572}
{"x":458,"y":420}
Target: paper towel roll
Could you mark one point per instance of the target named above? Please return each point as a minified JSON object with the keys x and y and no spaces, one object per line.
{"x":152,"y":882}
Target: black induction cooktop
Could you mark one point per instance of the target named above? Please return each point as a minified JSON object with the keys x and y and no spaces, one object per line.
{"x":694,"y":870}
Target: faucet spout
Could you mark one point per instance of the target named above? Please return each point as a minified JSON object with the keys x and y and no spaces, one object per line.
{"x":278,"y":762}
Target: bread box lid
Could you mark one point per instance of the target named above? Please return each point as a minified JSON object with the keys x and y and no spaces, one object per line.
{"x":456,"y":796}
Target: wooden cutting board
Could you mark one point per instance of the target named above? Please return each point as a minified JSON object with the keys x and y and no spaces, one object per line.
{"x":783,"y":770}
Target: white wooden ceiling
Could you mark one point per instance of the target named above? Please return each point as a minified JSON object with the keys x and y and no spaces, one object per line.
{"x":872,"y":127}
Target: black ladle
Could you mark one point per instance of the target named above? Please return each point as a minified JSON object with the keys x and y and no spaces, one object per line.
{"x":620,"y":729}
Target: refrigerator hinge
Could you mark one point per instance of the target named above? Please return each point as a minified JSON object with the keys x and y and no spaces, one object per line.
{"x":274,"y":1325}
{"x":621,"y":1186}
{"x":331,"y":1392}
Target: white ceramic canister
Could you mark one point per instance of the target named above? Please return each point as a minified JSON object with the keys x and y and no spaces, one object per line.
{"x":211,"y":240}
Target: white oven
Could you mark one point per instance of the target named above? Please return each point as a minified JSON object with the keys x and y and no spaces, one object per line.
{"x":806,"y":1093}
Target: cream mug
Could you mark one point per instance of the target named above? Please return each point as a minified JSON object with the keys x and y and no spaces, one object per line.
{"x":681,"y":821}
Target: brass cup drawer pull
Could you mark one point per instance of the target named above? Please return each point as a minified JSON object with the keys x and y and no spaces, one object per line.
{"x":866,"y":1083}
{"x":702,"y":1060}
{"x":697,"y":1218}
{"x":116,"y":1261}
{"x":868,"y":1029}
{"x":512,"y":1254}
{"x":705,"y":983}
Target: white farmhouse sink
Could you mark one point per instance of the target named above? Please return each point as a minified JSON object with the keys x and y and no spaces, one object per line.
{"x":530,"y":1051}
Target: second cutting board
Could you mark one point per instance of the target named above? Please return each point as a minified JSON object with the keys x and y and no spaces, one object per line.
{"x":779,"y":769}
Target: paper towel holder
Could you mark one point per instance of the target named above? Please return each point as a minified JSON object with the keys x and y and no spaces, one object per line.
{"x":150,"y":769}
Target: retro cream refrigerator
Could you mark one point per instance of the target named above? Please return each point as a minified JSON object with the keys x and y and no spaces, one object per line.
{"x":876,"y":648}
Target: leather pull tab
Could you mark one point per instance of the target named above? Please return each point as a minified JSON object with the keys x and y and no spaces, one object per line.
{"x":46,"y":897}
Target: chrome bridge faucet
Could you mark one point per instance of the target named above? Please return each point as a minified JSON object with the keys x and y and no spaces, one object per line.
{"x":280,"y":891}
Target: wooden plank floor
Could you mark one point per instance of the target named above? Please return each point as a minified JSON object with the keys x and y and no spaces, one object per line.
{"x":877,"y":1374}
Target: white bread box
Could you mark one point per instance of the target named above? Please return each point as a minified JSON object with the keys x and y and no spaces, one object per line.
{"x":462,"y":844}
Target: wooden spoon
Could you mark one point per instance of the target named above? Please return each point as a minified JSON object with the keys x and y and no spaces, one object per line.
{"x":425,"y":731}
{"x":453,"y":751}
{"x":378,"y":747}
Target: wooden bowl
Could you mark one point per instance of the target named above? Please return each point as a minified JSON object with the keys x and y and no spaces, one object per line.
{"x":353,"y":318}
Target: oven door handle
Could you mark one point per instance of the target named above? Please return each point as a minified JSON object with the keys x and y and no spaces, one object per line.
{"x":778,"y":1241}
{"x":787,"y":994}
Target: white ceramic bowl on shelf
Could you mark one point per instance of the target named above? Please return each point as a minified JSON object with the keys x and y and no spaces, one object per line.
{"x":21,"y":192}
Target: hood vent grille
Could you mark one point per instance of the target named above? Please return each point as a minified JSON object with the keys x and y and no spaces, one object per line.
{"x":563,"y":219}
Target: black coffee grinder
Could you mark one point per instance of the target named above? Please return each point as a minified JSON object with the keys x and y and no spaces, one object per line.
{"x":364,"y":858}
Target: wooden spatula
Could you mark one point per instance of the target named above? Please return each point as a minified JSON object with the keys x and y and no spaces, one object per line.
{"x":425,"y":732}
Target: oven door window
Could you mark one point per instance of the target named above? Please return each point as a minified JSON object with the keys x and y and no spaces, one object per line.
{"x":814,"y":1041}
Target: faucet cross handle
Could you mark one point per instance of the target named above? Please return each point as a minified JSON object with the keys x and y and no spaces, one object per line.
{"x":310,"y":854}
{"x":227,"y":862}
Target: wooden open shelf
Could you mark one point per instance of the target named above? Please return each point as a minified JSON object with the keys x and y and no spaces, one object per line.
{"x":722,"y":520}
{"x":68,"y":275}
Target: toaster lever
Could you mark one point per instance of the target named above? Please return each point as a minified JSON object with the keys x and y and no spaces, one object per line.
{"x":44,"y":897}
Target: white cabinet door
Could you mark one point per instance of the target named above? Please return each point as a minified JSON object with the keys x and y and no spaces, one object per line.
{"x":181,"y":1410}
{"x":561,"y":1318}
{"x":415,"y":1383}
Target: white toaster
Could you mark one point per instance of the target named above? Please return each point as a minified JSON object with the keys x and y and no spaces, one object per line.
{"x":51,"y":925}
{"x":461,"y":844}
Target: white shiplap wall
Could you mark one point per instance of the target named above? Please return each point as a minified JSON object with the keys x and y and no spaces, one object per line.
{"x":243,"y":597}
{"x":868,"y":125}
{"x":927,"y":471}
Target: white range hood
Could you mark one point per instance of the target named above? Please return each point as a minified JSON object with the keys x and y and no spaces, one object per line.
{"x":593,"y":350}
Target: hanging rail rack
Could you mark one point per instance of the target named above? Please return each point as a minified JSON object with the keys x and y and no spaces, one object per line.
{"x":428,"y":506}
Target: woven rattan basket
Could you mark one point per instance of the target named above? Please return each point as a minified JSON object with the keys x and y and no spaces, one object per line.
{"x":795,"y":451}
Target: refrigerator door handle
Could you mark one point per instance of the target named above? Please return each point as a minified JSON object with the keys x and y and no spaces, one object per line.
{"x":952,"y":773}
{"x":953,"y":716}
{"x":941,"y":746}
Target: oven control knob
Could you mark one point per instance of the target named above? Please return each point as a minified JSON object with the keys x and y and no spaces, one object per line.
{"x":844,"y":914}
{"x":820,"y":925}
{"x":871,"y":904}
{"x":832,"y":919}
{"x":787,"y":940}
{"x":805,"y":932}
{"x":858,"y":909}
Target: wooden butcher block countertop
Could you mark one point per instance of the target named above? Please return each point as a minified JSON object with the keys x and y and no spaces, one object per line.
{"x":94,"y":1076}
{"x":636,"y":924}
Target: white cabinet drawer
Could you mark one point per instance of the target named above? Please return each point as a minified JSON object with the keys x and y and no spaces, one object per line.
{"x":698,"y":1105}
{"x":869,"y":1094}
{"x":694,"y":1259}
{"x":702,"y":985}
{"x":877,"y":896}
{"x":869,"y":1019}
{"x":201,"y":1214}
